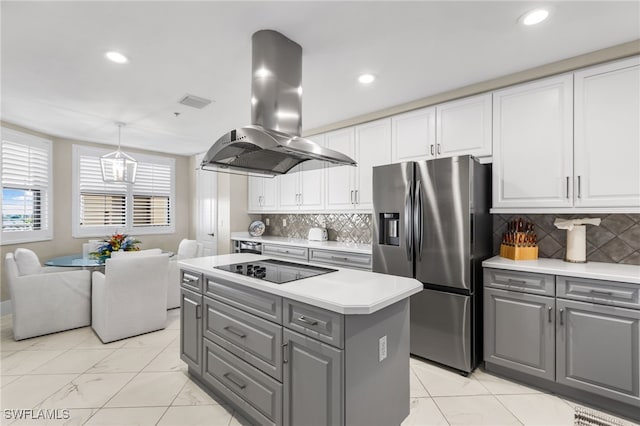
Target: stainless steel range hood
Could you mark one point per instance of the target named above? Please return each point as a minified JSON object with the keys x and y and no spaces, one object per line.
{"x":271,"y":145}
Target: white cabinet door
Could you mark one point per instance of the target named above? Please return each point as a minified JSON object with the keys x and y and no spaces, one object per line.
{"x":254,"y":193}
{"x":373,"y":148}
{"x":463,"y":127}
{"x":262,"y":192}
{"x":289,"y":190}
{"x":533,"y":144}
{"x":413,"y":135}
{"x":607,"y":135}
{"x":270,"y":194}
{"x":312,"y":181}
{"x":340,"y":182}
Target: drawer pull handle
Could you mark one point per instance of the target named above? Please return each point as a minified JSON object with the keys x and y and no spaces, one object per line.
{"x":188,"y":280}
{"x":236,"y":382}
{"x":234,"y":331}
{"x":285,"y":353}
{"x":604,"y":293}
{"x":518,"y":282}
{"x":550,"y":317}
{"x":344,"y":259}
{"x":561,"y":316}
{"x":198,"y":311}
{"x":305,"y":320}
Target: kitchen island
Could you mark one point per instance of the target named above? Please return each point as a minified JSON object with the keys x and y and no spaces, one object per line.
{"x":332,"y":349}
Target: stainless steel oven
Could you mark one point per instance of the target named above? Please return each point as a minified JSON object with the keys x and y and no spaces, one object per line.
{"x":248,"y":247}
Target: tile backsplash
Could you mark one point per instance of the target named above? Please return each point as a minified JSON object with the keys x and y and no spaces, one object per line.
{"x":352,"y":228}
{"x":616,"y":240}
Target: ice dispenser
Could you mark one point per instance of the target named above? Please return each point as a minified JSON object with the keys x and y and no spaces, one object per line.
{"x":389,"y":229}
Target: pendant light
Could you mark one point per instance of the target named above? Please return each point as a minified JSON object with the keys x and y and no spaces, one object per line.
{"x":118,"y":166}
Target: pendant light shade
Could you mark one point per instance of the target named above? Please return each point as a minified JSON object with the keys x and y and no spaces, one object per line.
{"x":118,"y":166}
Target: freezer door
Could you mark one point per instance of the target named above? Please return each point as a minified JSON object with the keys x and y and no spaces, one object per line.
{"x":441,"y":328}
{"x":443,"y":222}
{"x":392,"y":245}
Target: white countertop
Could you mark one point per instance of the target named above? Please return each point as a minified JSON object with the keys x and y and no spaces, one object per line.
{"x":346,"y":291}
{"x":299,"y":242}
{"x":595,"y":270}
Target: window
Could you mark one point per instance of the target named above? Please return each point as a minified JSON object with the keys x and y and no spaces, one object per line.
{"x":145,"y":207}
{"x":26,"y":187}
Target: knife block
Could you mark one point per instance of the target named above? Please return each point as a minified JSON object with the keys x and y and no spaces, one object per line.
{"x":518,"y":252}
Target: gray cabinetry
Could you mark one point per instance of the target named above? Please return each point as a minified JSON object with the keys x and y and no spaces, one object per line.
{"x":315,"y":322}
{"x":519,"y":332}
{"x":289,"y":252}
{"x":191,"y":329}
{"x":585,"y":340}
{"x":313,"y":382}
{"x":349,"y":260}
{"x":598,"y":349}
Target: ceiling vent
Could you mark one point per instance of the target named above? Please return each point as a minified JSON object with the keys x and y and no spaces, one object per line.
{"x":194,"y":101}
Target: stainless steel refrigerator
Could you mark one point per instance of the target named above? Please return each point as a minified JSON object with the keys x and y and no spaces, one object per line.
{"x":431,"y":221}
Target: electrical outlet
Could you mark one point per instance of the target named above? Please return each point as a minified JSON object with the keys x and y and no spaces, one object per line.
{"x":382,"y":348}
{"x":284,"y":223}
{"x":266,"y":221}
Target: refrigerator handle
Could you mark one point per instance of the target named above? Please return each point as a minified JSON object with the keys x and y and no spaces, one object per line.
{"x":417,"y":218}
{"x":408,"y":235}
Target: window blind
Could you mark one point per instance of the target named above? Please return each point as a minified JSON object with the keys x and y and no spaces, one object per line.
{"x":26,"y":163}
{"x":101,"y":203}
{"x":151,"y":195}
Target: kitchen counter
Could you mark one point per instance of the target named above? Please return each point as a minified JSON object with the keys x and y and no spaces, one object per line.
{"x":594,"y":270}
{"x":346,"y":291}
{"x":299,"y":242}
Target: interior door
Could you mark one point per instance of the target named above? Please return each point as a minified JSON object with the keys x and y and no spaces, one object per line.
{"x":443,"y":239}
{"x":206,"y":209}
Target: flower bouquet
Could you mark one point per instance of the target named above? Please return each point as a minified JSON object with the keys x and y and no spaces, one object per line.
{"x":117,"y":242}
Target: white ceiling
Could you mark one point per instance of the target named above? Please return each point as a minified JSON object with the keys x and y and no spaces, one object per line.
{"x":55,"y":78}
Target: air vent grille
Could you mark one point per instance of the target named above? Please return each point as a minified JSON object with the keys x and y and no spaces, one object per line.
{"x":194,"y":101}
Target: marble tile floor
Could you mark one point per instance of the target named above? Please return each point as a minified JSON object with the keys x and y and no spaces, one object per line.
{"x":142,"y":381}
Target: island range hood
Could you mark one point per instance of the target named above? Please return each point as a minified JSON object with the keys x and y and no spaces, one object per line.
{"x":271,"y":145}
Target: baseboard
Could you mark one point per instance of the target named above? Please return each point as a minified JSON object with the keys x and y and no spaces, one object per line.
{"x":5,"y":308}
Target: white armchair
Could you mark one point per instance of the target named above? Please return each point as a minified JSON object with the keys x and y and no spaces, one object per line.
{"x":46,"y":300}
{"x":130,"y":297}
{"x":187,"y":249}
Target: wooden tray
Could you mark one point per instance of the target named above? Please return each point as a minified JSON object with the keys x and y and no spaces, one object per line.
{"x":519,"y":253}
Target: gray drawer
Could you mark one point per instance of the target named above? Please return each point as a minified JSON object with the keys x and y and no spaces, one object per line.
{"x":527,"y":282}
{"x":349,"y":260}
{"x":299,"y":253}
{"x":611,"y":293}
{"x":318,"y":323}
{"x":253,"y":339}
{"x":257,"y":302}
{"x":227,"y":373}
{"x":191,"y":280}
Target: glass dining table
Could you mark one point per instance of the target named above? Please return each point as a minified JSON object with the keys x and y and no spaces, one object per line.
{"x":75,"y":260}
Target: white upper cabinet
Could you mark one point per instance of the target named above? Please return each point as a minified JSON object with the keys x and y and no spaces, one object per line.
{"x":262,"y":194}
{"x":607,"y":135}
{"x":350,"y":188}
{"x":463,"y":127}
{"x":413,"y":135}
{"x":340,"y":180}
{"x":533,"y":144}
{"x":373,"y":148}
{"x":303,"y":187}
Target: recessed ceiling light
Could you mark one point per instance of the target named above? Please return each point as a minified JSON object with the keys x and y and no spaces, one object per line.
{"x":117,"y":57}
{"x":366,"y":78}
{"x":534,"y":17}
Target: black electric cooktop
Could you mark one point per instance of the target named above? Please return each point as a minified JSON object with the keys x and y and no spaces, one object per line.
{"x":275,"y":271}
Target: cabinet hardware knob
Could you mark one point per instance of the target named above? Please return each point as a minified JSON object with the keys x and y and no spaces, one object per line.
{"x":439,"y":150}
{"x":285,"y":353}
{"x":432,"y":151}
{"x":518,"y":282}
{"x":550,"y":318}
{"x":604,"y":293}
{"x":561,"y":316}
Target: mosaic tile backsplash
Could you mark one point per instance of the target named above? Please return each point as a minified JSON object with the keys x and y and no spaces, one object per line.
{"x":616,"y":240}
{"x":351,"y":228}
